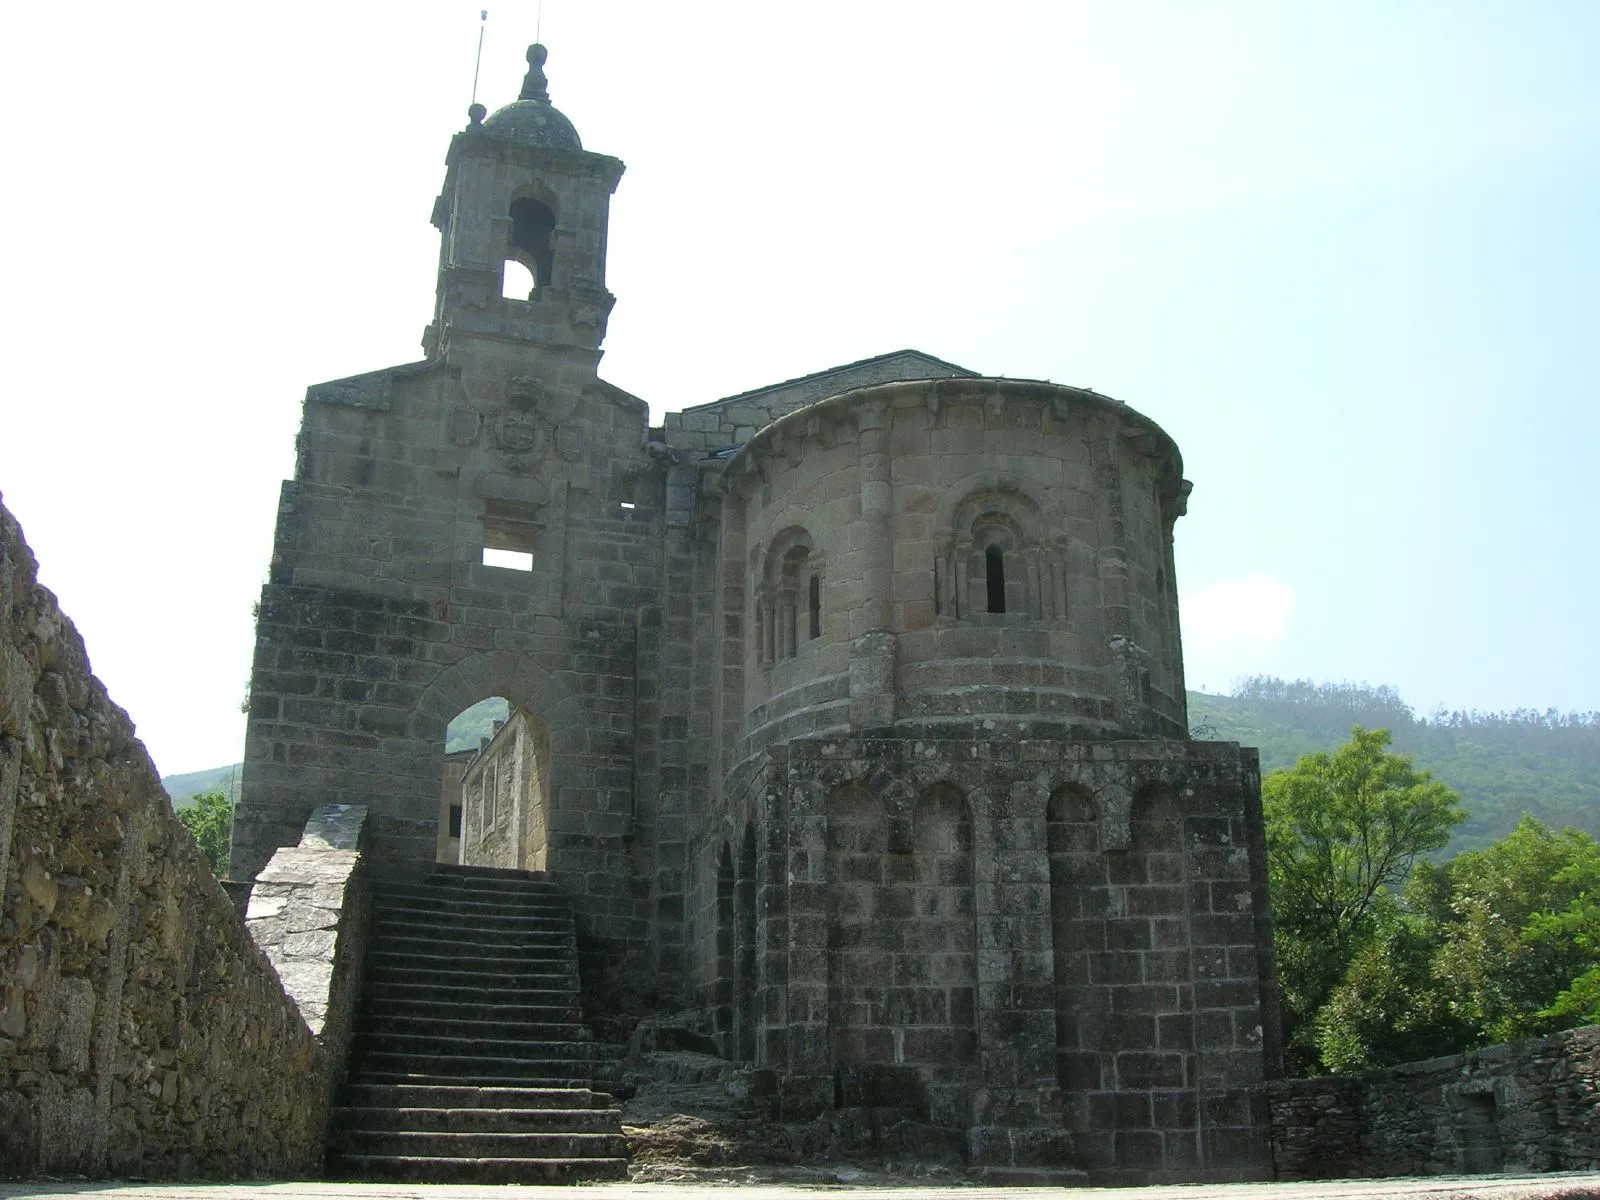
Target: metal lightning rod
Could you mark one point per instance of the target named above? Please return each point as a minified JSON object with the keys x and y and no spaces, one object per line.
{"x":483,"y":20}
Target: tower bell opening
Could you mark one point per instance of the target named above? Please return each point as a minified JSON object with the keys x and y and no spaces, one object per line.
{"x":533,"y":226}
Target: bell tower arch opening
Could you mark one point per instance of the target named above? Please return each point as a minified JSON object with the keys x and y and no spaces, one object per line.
{"x":533,"y":227}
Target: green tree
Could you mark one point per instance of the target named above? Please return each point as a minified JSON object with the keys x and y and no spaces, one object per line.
{"x":1520,"y":926}
{"x":210,"y":820}
{"x":1389,"y":1008}
{"x":1343,"y":829}
{"x":1495,"y":944}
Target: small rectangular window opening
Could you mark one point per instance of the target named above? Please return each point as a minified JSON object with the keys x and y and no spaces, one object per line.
{"x":515,"y":560}
{"x":455,"y":820}
{"x":626,"y":490}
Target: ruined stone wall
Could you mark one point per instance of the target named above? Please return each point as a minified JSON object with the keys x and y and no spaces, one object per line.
{"x":142,"y":1032}
{"x":310,"y":910}
{"x":380,"y":622}
{"x":1531,"y":1105}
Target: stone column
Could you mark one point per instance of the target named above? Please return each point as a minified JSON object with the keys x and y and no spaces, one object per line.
{"x":1017,"y":1116}
{"x":872,"y":650}
{"x":728,"y":674}
{"x":1125,"y":658}
{"x":806,"y":1084}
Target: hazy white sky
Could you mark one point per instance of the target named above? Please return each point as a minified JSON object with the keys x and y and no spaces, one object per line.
{"x":1346,"y":253}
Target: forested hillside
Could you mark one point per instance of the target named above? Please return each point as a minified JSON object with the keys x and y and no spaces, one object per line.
{"x":184,"y":788}
{"x":1502,"y":764}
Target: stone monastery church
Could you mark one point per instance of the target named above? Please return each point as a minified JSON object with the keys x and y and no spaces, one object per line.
{"x":849,"y":710}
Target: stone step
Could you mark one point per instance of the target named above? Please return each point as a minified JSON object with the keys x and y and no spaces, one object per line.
{"x":452,"y":1026}
{"x":397,"y":1067}
{"x":469,"y":990}
{"x":490,"y":918}
{"x":453,"y":903}
{"x":441,"y":1046}
{"x":466,"y":948}
{"x":468,"y":1061}
{"x":431,"y":939}
{"x":503,"y":884}
{"x":379,"y":1095}
{"x":480,"y":1120}
{"x":482,"y":1170}
{"x":454,"y":1008}
{"x":384,"y":968}
{"x":473,"y":871}
{"x":401,"y":1077}
{"x":408,"y":1143}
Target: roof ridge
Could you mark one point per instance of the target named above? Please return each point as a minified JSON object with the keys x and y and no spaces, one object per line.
{"x":835,"y":370}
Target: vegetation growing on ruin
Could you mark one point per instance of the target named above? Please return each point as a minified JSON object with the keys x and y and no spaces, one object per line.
{"x":210,"y":819}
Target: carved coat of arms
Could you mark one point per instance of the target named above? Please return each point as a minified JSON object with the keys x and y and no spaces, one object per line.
{"x":519,"y":432}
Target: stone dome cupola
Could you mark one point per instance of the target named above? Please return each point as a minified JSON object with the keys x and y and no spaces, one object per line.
{"x":531,"y":119}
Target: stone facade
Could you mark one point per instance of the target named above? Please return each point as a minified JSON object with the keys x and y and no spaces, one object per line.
{"x":1532,"y":1105}
{"x":505,"y":809}
{"x":142,"y":1032}
{"x":855,"y":702}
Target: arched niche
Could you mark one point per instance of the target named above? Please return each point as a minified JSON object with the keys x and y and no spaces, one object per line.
{"x":788,"y":599}
{"x":998,"y":561}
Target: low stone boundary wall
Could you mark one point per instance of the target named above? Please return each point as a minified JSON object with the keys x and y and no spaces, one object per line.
{"x":310,"y":911}
{"x":1531,"y":1105}
{"x":142,"y":1031}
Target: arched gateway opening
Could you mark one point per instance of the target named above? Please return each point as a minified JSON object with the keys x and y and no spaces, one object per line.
{"x":494,"y":806}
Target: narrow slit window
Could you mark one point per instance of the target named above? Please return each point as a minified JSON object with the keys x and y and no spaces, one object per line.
{"x":815,"y":606}
{"x":455,"y":820}
{"x":627,"y":500}
{"x":994,"y":562}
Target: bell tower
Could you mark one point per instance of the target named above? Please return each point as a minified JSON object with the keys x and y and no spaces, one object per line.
{"x":521,"y":193}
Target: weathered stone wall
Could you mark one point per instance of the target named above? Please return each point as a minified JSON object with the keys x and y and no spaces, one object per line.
{"x":896,"y":509}
{"x":142,"y":1032}
{"x":505,"y":808}
{"x":1051,"y":944}
{"x":310,"y":911}
{"x":1532,"y":1105}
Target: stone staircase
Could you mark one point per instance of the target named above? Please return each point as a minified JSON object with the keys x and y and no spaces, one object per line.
{"x":468,"y":1062}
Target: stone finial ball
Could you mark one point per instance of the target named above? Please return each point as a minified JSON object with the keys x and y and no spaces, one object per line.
{"x":476,"y":113}
{"x":536,"y":55}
